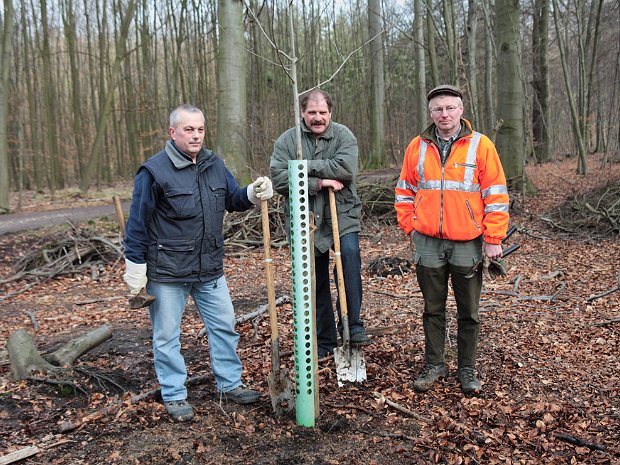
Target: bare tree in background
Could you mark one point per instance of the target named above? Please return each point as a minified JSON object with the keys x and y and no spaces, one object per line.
{"x":5,"y":62}
{"x":540,"y":81}
{"x":510,"y":137}
{"x":232,"y":141}
{"x":377,"y":84}
{"x":421,"y":111}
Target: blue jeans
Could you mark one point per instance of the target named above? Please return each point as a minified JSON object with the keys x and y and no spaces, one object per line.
{"x":216,"y":311}
{"x":352,"y":270}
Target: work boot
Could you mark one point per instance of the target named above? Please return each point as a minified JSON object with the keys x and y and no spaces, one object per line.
{"x":359,"y":340}
{"x":179,"y":410}
{"x":430,"y":374}
{"x":241,"y":395}
{"x":468,"y":380}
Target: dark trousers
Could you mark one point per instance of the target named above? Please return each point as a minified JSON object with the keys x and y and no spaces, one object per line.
{"x":352,"y":271}
{"x":434,"y":285}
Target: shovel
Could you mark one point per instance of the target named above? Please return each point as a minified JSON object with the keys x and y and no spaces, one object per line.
{"x":279,"y":381}
{"x":350,"y":365}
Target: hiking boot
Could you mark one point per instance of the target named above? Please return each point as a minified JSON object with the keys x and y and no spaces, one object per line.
{"x":359,"y":340}
{"x":241,"y":395}
{"x":430,"y":374}
{"x":468,"y":380}
{"x":179,"y":410}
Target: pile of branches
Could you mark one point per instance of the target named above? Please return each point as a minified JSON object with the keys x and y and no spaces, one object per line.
{"x":594,"y":214}
{"x":73,"y":253}
{"x":244,"y":230}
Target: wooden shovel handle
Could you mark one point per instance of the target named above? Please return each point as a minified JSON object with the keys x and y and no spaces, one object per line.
{"x":342,"y":296}
{"x":271,"y":293}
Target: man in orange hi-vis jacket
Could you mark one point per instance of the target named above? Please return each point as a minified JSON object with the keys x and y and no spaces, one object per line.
{"x":452,"y":201}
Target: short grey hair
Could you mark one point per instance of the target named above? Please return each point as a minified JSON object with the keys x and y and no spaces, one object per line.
{"x":174,"y":115}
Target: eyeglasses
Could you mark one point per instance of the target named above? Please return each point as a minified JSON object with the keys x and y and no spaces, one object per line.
{"x":440,"y":110}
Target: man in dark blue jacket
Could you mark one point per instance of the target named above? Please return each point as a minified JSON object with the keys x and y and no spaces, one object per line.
{"x":174,"y":247}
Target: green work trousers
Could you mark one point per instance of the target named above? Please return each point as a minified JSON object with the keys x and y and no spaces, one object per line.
{"x":437,"y":261}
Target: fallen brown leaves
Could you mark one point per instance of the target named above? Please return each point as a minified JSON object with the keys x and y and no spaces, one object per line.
{"x":548,"y":359}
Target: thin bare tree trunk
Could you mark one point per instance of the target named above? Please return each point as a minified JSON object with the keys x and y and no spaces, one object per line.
{"x":540,"y":82}
{"x":421,"y":109}
{"x":472,"y":65}
{"x":232,"y":141}
{"x":377,"y":100}
{"x":5,"y":66}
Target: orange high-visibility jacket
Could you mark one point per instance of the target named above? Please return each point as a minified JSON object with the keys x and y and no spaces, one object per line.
{"x":462,"y":199}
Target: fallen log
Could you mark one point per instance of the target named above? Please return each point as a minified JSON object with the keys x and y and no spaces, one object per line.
{"x":26,"y":359}
{"x":74,"y":349}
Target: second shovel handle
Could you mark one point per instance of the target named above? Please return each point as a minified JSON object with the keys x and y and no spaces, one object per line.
{"x":342,"y":295}
{"x":271,"y":293}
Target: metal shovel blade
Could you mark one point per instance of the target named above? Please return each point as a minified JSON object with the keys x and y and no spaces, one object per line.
{"x":350,"y":365}
{"x":280,"y":391}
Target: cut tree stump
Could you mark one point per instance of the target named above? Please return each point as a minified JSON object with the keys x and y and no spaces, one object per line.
{"x":26,"y":359}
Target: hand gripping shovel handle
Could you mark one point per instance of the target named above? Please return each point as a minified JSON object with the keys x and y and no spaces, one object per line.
{"x":271,"y":293}
{"x":342,"y":296}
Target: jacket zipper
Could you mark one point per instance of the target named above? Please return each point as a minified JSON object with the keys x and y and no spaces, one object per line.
{"x":471,"y":214}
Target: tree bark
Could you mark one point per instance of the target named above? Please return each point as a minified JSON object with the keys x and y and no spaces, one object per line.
{"x":377,"y":84}
{"x":232,"y":141}
{"x":420,"y":65}
{"x":5,"y":59}
{"x":510,"y":137}
{"x":26,"y":359}
{"x":540,"y":82}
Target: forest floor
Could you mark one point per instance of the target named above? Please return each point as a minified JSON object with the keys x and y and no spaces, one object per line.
{"x":549,"y":357}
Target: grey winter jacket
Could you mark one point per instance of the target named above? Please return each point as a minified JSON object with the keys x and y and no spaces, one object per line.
{"x":333,"y":155}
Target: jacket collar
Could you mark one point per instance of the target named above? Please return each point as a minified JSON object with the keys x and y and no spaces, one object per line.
{"x":180,"y":160}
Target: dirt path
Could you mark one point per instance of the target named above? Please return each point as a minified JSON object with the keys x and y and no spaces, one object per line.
{"x":32,"y":220}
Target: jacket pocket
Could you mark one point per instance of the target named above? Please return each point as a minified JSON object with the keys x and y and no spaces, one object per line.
{"x":471,"y":215}
{"x":176,"y":257}
{"x":219,"y":195}
{"x":182,"y":202}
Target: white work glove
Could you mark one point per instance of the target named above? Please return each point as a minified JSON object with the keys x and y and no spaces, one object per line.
{"x":261,"y":189}
{"x":135,"y":276}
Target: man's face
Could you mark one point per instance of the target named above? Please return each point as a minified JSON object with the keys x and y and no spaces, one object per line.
{"x":317,"y":116}
{"x":446,"y":112}
{"x":189,"y":133}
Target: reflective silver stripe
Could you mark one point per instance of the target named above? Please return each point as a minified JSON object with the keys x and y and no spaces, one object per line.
{"x":450,"y":186}
{"x":471,"y":160}
{"x":493,"y":190}
{"x":402,"y":184}
{"x":496,"y":207}
{"x":421,"y":159}
{"x":403,"y":199}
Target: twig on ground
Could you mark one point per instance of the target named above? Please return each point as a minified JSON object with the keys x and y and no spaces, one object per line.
{"x":400,"y":408}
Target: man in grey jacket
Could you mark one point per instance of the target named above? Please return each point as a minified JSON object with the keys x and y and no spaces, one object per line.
{"x":332,"y":154}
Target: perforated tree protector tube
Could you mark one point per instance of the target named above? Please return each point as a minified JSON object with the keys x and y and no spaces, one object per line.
{"x":303,"y":323}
